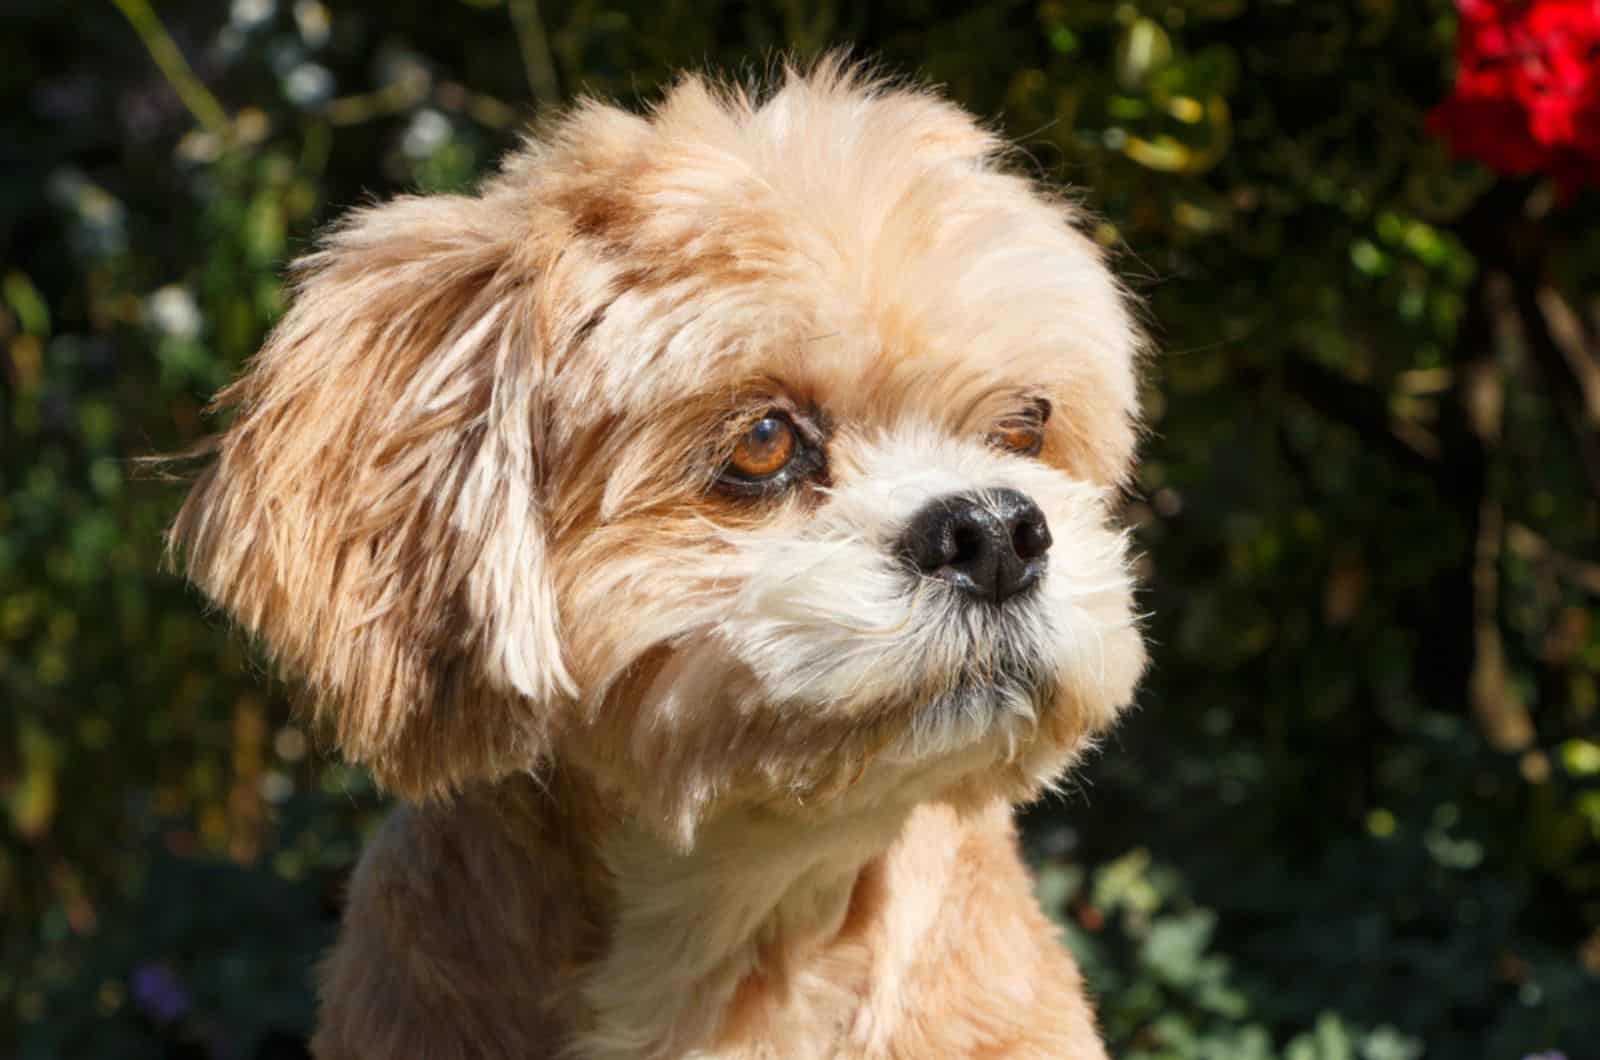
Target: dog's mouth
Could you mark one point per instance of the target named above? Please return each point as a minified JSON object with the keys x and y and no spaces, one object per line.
{"x":973,"y":702}
{"x":1011,"y":680}
{"x":1003,"y":676}
{"x":982,"y":648}
{"x":976,"y":708}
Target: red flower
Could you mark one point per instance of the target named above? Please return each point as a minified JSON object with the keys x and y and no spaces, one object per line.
{"x":1527,"y":92}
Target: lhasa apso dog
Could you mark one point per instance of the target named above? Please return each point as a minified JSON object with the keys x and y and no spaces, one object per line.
{"x":705,"y":530}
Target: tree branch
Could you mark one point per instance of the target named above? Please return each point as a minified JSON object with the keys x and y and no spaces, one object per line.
{"x":174,"y":67}
{"x":1565,"y":385}
{"x":1358,"y":409}
{"x":535,"y":45}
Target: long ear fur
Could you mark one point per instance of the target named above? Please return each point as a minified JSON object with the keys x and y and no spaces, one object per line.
{"x":372,"y":513}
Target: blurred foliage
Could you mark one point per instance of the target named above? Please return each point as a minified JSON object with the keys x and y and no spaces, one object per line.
{"x":1358,"y":814}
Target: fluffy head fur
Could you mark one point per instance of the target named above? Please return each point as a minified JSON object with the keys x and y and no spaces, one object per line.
{"x":468,"y":493}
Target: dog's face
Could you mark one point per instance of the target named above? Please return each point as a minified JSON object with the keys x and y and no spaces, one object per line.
{"x":742,"y":454}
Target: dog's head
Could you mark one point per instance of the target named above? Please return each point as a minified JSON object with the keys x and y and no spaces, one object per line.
{"x":752,"y":453}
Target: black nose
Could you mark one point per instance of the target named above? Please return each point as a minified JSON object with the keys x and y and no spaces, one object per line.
{"x":990,"y":545}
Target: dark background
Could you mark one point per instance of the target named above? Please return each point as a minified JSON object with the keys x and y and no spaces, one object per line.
{"x":1356,"y":814}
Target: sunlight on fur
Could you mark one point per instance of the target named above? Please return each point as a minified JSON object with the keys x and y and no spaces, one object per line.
{"x":695,"y":762}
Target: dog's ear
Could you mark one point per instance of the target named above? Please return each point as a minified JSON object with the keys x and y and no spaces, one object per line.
{"x":373,"y":511}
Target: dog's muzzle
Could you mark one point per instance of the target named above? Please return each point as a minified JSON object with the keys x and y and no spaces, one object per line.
{"x":991,"y":546}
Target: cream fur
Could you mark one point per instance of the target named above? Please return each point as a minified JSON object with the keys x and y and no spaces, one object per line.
{"x":690,"y":775}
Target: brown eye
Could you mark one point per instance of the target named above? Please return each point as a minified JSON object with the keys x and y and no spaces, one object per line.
{"x":1024,"y":434}
{"x":765,"y":449}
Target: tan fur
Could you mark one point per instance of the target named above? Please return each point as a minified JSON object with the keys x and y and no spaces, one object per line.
{"x":689,"y":775}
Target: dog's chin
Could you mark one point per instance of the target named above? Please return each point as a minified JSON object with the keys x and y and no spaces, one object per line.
{"x":1014,"y":728}
{"x":984,"y":737}
{"x":1002,"y":692}
{"x":974,"y":710}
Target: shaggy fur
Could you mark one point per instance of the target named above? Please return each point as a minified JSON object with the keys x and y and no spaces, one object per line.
{"x":685,"y":773}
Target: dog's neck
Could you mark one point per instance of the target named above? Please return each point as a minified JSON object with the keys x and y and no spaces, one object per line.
{"x":701,"y":939}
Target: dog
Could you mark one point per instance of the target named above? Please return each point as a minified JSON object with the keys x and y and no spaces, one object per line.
{"x":707,"y":530}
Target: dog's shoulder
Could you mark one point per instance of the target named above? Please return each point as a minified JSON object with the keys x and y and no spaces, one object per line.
{"x":450,"y":946}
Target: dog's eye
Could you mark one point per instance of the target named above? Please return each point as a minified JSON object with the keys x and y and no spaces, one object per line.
{"x":765,"y":449}
{"x":773,"y":454}
{"x":1023,"y":434}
